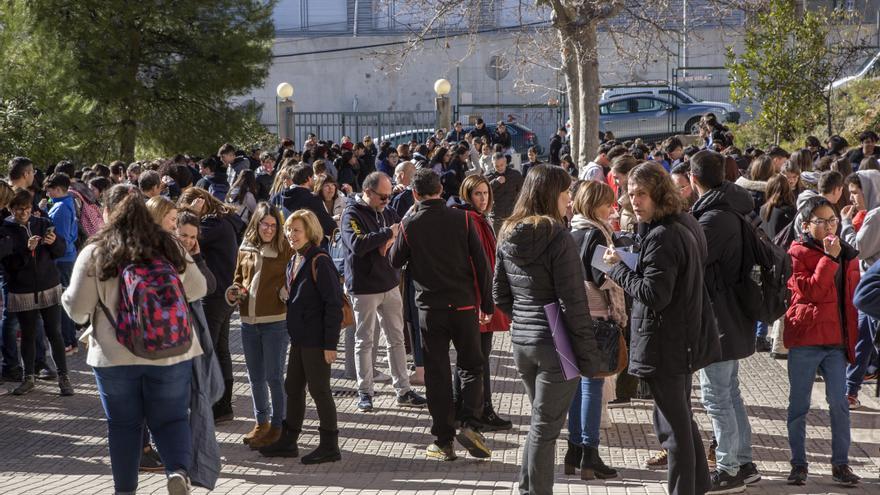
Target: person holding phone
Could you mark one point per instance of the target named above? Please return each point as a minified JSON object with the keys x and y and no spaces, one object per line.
{"x":34,"y":285}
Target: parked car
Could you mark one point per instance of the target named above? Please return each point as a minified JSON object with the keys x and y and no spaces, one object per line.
{"x":521,"y":137}
{"x":676,"y":95}
{"x":646,"y":116}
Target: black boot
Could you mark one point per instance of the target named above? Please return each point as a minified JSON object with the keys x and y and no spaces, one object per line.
{"x":573,"y":457}
{"x":327,"y":451}
{"x":223,"y":408}
{"x":285,"y":446}
{"x":592,"y":466}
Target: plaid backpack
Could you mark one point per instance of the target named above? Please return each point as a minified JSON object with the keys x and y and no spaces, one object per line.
{"x":152,"y":319}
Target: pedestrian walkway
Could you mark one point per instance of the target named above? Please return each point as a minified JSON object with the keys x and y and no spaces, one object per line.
{"x":53,"y":445}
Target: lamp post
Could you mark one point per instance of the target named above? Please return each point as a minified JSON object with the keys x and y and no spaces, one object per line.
{"x":442,"y":105}
{"x":285,"y":107}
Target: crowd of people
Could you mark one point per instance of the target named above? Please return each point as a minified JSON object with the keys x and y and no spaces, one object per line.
{"x":340,"y":242}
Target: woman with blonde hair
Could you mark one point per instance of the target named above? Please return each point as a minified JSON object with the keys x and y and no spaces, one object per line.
{"x":164,"y":212}
{"x":258,"y":291}
{"x":314,"y":316}
{"x":219,"y":237}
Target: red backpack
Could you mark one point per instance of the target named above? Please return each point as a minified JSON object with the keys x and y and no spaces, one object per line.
{"x":152,"y":319}
{"x":89,"y":214}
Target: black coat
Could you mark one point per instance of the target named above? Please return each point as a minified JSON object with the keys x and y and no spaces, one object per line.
{"x":537,"y":265}
{"x":219,"y":238}
{"x":555,"y":149}
{"x":364,"y":232}
{"x":299,"y":198}
{"x":27,"y":271}
{"x":715,"y":211}
{"x":504,"y":195}
{"x":780,"y":217}
{"x":314,"y":307}
{"x":403,"y":201}
{"x":434,"y":232}
{"x":672,"y":328}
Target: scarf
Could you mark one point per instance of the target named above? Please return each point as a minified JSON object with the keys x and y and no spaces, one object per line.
{"x":611,"y":293}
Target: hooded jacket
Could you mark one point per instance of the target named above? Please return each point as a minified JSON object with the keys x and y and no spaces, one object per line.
{"x":537,"y":264}
{"x":219,"y":237}
{"x":264,"y":184}
{"x":63,"y":215}
{"x":432,"y":232}
{"x":365,"y":232}
{"x":867,"y":239}
{"x":672,"y":327}
{"x":717,"y":210}
{"x":27,"y":271}
{"x":758,"y":190}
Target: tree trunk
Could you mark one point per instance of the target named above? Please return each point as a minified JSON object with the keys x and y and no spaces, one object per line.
{"x":588,"y":67}
{"x":830,"y":129}
{"x":572,"y":83}
{"x":127,"y":136}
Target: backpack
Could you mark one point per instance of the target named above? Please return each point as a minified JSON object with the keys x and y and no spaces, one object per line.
{"x":219,"y":190}
{"x":91,"y":220}
{"x":338,"y":250}
{"x":762,"y":288}
{"x":786,"y":236}
{"x":152,"y":319}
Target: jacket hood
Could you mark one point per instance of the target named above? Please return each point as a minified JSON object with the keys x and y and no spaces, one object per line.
{"x":727,"y":196}
{"x":752,"y":185}
{"x":66,"y":200}
{"x":292,"y":192}
{"x":870,"y":180}
{"x":528,"y":241}
{"x":804,"y":197}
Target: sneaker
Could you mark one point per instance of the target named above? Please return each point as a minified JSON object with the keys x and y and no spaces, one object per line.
{"x":27,"y":385}
{"x":411,"y":399}
{"x":725,"y":483}
{"x":365,"y":402}
{"x":47,"y":374}
{"x":798,"y":475}
{"x":748,"y":472}
{"x":619,"y":402}
{"x":150,"y":461}
{"x":474,"y":442}
{"x":843,"y":474}
{"x":71,"y":350}
{"x":178,"y":484}
{"x":762,"y":344}
{"x":853,"y":402}
{"x":64,"y":385}
{"x":492,"y":422}
{"x":659,"y":461}
{"x":444,"y":453}
{"x":378,"y":376}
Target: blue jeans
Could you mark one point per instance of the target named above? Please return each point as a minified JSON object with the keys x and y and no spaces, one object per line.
{"x":68,"y":329}
{"x":855,"y":373}
{"x":761,"y":329}
{"x":724,"y":405}
{"x":159,"y":394}
{"x":585,"y":413}
{"x":802,"y":365}
{"x":265,"y":349}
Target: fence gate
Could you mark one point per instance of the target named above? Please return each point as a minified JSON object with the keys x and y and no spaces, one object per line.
{"x":333,"y":125}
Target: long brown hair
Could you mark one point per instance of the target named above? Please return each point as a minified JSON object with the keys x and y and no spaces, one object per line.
{"x":252,"y":233}
{"x":538,"y":201}
{"x":778,"y":194}
{"x":665,"y":195}
{"x":131,"y":235}
{"x":589,"y":196}
{"x":761,"y":168}
{"x":213,"y":206}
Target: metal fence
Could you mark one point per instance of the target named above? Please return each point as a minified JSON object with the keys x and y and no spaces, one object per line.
{"x":705,"y":83}
{"x":356,"y":125}
{"x":542,"y":119}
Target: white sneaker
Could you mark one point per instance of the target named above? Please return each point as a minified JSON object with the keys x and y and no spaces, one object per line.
{"x":178,"y":484}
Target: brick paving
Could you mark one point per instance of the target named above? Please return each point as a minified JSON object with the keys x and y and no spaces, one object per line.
{"x":55,"y":445}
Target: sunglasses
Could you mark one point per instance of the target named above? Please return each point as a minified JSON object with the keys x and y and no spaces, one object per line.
{"x":382,"y":197}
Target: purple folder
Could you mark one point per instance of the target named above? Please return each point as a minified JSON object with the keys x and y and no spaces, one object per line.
{"x":561,"y":341}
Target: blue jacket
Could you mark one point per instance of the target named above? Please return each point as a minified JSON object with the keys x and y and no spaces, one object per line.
{"x":364,"y":232}
{"x":314,"y":307}
{"x":63,"y":215}
{"x":867,"y":297}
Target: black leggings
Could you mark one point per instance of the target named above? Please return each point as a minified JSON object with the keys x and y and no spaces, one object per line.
{"x":308,"y":368}
{"x":485,"y":348}
{"x":52,"y":327}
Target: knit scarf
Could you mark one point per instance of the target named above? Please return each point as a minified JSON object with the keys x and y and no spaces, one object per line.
{"x":612,"y":294}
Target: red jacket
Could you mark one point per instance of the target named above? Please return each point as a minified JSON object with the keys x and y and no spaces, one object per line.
{"x":500,"y":321}
{"x":814,"y":316}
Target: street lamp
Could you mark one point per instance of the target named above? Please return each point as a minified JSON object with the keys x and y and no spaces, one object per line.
{"x":285,"y":106}
{"x":441,"y":104}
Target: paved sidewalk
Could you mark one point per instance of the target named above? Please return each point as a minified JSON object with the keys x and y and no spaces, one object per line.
{"x":54,"y":445}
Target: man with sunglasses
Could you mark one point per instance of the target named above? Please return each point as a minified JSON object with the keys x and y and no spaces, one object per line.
{"x":369,"y":228}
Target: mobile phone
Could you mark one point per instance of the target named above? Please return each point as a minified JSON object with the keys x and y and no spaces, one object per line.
{"x":50,"y":231}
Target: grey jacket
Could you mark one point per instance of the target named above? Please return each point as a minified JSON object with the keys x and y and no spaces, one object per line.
{"x":867,"y":239}
{"x":207,"y":388}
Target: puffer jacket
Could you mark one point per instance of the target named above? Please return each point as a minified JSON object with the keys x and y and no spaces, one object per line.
{"x":818,"y":283}
{"x":717,"y":213}
{"x":537,"y":264}
{"x":672,"y":328}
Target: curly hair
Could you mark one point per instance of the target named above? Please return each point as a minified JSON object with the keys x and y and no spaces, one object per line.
{"x":665,"y":195}
{"x":131,"y":235}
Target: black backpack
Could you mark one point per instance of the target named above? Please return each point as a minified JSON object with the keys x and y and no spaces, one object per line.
{"x":786,"y":236}
{"x":762,"y":289}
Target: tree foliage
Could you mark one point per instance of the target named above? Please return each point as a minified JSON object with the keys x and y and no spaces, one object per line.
{"x":100,"y":78}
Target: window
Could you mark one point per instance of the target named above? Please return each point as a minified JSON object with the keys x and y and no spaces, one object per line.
{"x":615,"y":107}
{"x":649,"y":105}
{"x":311,"y":15}
{"x":675,"y":96}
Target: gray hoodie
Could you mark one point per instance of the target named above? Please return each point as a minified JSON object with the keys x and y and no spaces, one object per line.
{"x":867,"y":239}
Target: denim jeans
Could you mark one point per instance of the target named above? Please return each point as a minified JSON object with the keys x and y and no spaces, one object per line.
{"x":265,"y":349}
{"x":159,"y":394}
{"x":855,"y":373}
{"x":68,"y":329}
{"x":761,"y":329}
{"x":585,"y":413}
{"x":802,"y":365}
{"x":724,"y":405}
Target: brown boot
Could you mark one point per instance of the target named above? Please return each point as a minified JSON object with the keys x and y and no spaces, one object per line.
{"x":268,"y":438}
{"x":259,"y":430}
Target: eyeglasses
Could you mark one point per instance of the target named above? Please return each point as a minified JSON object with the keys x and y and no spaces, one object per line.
{"x":382,"y":197}
{"x":268,"y":226}
{"x":821,"y":222}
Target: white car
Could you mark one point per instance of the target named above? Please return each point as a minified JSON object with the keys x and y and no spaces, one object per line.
{"x":677,"y":96}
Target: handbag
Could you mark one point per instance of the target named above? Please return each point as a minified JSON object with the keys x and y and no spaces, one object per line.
{"x":347,"y":310}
